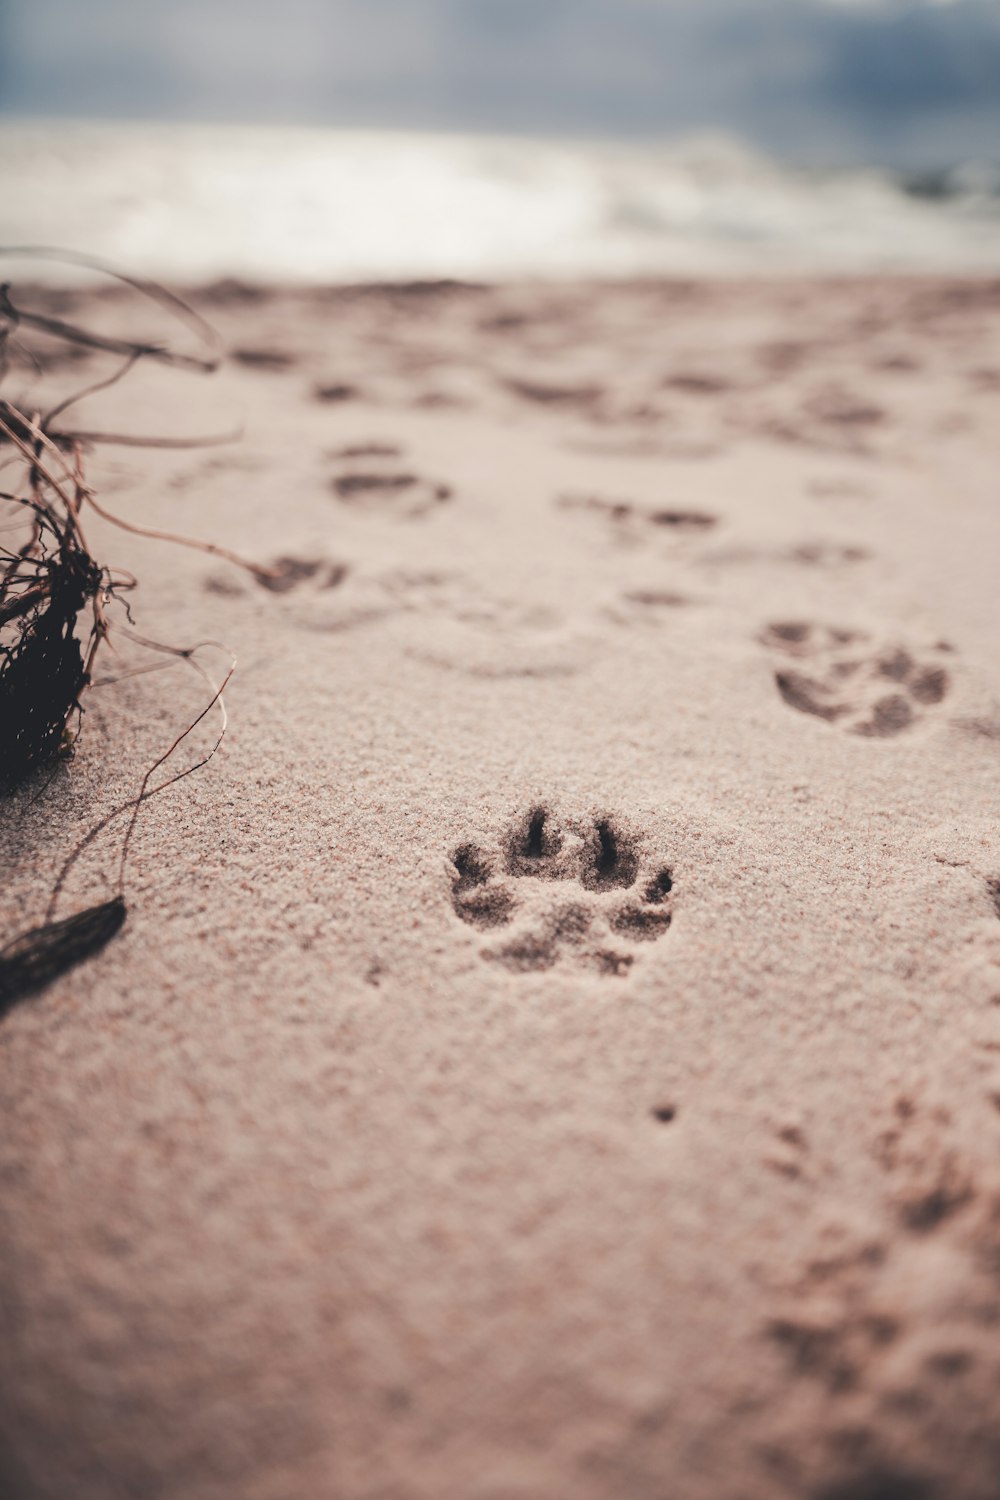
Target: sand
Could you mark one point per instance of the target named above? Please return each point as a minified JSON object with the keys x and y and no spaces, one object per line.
{"x":554,"y":1049}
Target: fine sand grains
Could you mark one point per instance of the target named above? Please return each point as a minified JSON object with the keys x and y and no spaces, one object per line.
{"x":555,"y":1047}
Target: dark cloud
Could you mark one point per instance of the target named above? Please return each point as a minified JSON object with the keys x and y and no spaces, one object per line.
{"x":896,"y":78}
{"x":919,"y":60}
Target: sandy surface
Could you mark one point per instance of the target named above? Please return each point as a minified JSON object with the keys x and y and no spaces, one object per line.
{"x":554,"y":1050}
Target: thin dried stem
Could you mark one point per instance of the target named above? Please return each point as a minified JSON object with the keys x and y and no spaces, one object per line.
{"x":145,"y":793}
{"x":212,"y":548}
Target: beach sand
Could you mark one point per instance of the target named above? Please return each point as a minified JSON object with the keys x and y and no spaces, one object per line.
{"x":554,"y":1049}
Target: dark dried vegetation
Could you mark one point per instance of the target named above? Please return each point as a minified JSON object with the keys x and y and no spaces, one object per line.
{"x":55,"y":599}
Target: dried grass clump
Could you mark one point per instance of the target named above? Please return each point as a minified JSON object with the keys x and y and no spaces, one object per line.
{"x":55,"y":599}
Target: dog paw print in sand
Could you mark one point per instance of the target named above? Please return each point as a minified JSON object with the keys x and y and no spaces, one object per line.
{"x":282,"y":575}
{"x":842,"y":676}
{"x":288,"y":573}
{"x":893,"y":1303}
{"x":630,"y":521}
{"x":376,"y":478}
{"x":562,"y":892}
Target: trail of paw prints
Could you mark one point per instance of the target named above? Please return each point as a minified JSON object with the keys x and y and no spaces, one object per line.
{"x":846,"y":679}
{"x":896,"y":1319}
{"x":451,"y":623}
{"x":563,"y":893}
{"x":373,"y":477}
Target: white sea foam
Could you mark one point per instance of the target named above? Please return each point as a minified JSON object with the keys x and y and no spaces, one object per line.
{"x":188,"y":202}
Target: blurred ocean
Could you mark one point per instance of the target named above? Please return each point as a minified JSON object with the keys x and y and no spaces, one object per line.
{"x":187,"y":203}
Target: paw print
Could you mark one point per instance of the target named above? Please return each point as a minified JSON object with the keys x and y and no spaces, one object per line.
{"x":376,"y":480}
{"x":846,"y":680}
{"x":613,"y":903}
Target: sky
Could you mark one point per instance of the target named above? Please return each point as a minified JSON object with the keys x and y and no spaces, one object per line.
{"x":906,"y":82}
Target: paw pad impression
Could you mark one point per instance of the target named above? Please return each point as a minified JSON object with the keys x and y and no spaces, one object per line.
{"x":563,"y":891}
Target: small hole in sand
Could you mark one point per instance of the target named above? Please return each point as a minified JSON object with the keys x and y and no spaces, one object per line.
{"x":533,"y":845}
{"x":659,"y":887}
{"x":610,"y":859}
{"x":535,"y":835}
{"x":607,"y":858}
